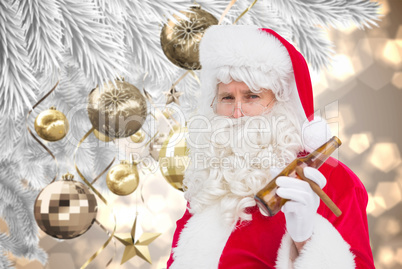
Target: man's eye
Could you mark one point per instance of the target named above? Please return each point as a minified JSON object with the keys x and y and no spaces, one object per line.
{"x":227,"y":98}
{"x":253,"y":96}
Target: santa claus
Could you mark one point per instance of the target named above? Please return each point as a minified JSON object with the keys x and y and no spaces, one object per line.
{"x":255,"y":116}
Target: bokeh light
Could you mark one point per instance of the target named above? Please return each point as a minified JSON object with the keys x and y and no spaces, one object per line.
{"x":342,"y":67}
{"x":397,"y":80}
{"x":384,"y":9}
{"x":390,"y":193}
{"x":156,"y":203}
{"x":398,"y":255}
{"x":332,"y":110}
{"x":391,"y":53}
{"x":359,"y":142}
{"x":362,"y":57}
{"x":398,"y":33}
{"x":385,"y":156}
{"x":388,"y":227}
{"x":386,"y":256}
{"x":376,"y":205}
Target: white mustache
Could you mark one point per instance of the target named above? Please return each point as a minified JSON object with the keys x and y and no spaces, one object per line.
{"x":244,"y":134}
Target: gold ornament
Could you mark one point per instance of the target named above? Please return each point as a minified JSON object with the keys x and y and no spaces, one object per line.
{"x":101,"y":136}
{"x":172,"y":96}
{"x":155,"y":145}
{"x":138,"y":137}
{"x":180,"y":40}
{"x":51,"y":124}
{"x":136,"y":246}
{"x":117,"y":111}
{"x":123,"y":178}
{"x":173,"y":158}
{"x":65,"y":209}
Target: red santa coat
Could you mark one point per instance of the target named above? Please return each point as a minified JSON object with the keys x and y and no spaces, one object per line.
{"x":264,"y":243}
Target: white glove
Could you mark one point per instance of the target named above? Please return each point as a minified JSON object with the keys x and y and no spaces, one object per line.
{"x":301,"y":209}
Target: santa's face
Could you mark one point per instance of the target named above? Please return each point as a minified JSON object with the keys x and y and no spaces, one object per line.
{"x":232,"y":155}
{"x":235,"y":99}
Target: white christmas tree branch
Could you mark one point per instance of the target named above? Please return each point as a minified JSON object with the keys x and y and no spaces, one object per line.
{"x":16,"y":209}
{"x":115,"y":7}
{"x":215,"y":7}
{"x":328,"y":12}
{"x":17,"y":84}
{"x":165,"y":9}
{"x":90,"y":42}
{"x":190,"y":87}
{"x":112,"y":12}
{"x":363,"y":13}
{"x":264,"y":16}
{"x":143,"y":41}
{"x":43,"y":33}
{"x":313,"y":45}
{"x":4,"y":262}
{"x":10,"y":130}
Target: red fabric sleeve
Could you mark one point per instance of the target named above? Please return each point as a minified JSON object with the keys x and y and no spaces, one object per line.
{"x":179,"y":227}
{"x":254,"y":244}
{"x":349,"y":194}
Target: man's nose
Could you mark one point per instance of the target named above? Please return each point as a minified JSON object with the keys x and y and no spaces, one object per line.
{"x":237,"y":111}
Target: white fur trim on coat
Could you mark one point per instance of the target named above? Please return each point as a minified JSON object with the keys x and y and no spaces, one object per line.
{"x":203,"y":235}
{"x":325,"y":249}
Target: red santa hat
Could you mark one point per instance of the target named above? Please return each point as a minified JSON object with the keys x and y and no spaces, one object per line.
{"x":265,"y":53}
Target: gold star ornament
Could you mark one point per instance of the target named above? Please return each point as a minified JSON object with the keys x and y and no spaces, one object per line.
{"x":136,"y":246}
{"x":172,"y":96}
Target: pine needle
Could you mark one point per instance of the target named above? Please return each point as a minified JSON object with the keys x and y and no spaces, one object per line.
{"x":17,"y":84}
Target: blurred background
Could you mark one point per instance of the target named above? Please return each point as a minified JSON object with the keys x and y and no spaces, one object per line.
{"x":360,"y":97}
{"x":365,"y":87}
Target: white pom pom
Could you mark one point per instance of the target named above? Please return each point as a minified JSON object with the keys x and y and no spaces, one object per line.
{"x":315,"y":133}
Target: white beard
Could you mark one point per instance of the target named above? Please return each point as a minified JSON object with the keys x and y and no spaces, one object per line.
{"x":232,"y":159}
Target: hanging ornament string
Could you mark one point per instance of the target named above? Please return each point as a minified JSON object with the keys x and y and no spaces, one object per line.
{"x":195,"y":76}
{"x":114,"y":241}
{"x":104,"y":245}
{"x":137,"y":162}
{"x":79,"y":172}
{"x":100,"y":197}
{"x":143,"y":83}
{"x":142,"y":185}
{"x":230,"y":6}
{"x":177,"y":81}
{"x":245,"y":11}
{"x":104,"y":171}
{"x":37,"y":139}
{"x":107,"y":168}
{"x":226,"y":11}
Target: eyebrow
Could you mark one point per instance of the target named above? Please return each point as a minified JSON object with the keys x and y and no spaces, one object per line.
{"x":244,"y":92}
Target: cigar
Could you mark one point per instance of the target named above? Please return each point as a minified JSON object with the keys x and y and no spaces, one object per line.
{"x":323,"y":196}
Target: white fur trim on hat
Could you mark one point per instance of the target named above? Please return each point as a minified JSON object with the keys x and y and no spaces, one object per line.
{"x":248,"y":47}
{"x":325,"y":249}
